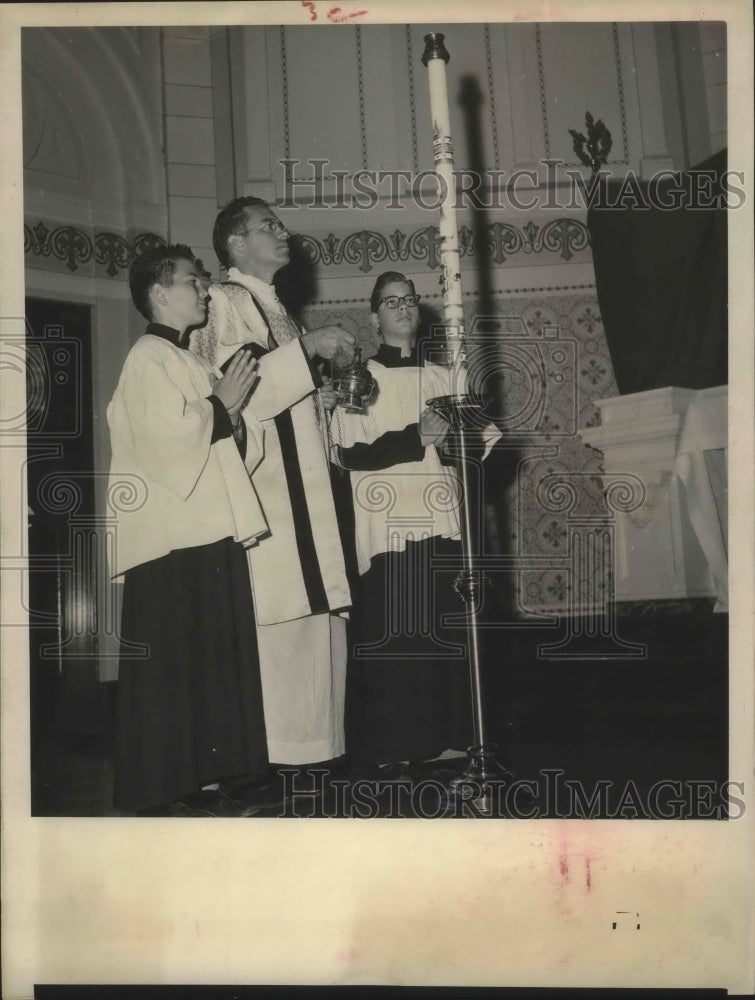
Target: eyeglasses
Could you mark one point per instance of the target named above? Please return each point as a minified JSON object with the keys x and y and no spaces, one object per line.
{"x":268,"y":226}
{"x":394,"y":301}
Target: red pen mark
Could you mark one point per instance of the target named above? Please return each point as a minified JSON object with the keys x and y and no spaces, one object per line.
{"x":588,"y":874}
{"x":334,"y":12}
{"x":312,"y":13}
{"x":563,"y":865}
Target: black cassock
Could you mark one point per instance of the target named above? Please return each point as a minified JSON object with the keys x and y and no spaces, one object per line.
{"x":407,"y":688}
{"x":191,"y":713}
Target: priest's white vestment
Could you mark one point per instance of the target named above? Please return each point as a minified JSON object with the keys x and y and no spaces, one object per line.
{"x":298,"y":571}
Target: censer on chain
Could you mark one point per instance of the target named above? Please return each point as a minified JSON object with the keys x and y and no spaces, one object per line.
{"x":354,"y":384}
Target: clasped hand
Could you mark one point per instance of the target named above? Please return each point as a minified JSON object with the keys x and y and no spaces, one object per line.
{"x":234,"y":387}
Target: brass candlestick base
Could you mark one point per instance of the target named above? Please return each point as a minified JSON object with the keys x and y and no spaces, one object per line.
{"x":457,"y":409}
{"x":481,"y":781}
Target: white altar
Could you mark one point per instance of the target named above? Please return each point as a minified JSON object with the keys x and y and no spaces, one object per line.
{"x":674,"y":545}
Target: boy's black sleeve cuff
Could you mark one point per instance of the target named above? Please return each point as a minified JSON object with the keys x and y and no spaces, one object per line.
{"x":221,"y":425}
{"x":391,"y":448}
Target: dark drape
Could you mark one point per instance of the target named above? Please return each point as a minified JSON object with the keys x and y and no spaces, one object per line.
{"x":661,"y":276}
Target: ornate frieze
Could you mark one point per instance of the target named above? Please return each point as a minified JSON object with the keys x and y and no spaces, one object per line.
{"x":73,"y":249}
{"x":367,"y":248}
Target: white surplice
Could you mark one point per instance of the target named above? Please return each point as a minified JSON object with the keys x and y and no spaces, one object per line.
{"x":411,"y":500}
{"x":169,"y":487}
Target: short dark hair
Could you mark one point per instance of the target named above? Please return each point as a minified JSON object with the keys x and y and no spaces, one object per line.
{"x":230,"y":222}
{"x":387,"y":278}
{"x":155,"y":266}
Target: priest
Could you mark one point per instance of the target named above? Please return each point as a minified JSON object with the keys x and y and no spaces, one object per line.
{"x":298,"y":571}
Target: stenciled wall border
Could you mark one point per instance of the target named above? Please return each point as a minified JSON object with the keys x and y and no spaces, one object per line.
{"x":564,"y":237}
{"x":112,"y":253}
{"x":74,"y":247}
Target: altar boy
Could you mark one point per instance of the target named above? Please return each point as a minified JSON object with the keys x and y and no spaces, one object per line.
{"x":190,"y":713}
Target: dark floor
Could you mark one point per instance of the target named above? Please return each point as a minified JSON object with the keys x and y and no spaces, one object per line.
{"x":600,"y":738}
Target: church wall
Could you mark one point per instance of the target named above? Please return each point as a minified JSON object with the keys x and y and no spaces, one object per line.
{"x":358,"y":99}
{"x":701,"y":62}
{"x":713,"y":49}
{"x":190,"y":131}
{"x":94,"y":180}
{"x":94,"y":191}
{"x":142,"y":130}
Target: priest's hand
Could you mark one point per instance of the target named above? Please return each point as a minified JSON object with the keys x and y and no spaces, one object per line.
{"x":329,"y":341}
{"x":432,"y":428}
{"x":328,"y":396}
{"x":234,"y":387}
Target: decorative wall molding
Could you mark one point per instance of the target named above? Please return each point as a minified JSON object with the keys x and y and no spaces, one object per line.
{"x":284,"y":72}
{"x":366,"y":248}
{"x":360,"y":83}
{"x":412,"y":99}
{"x":364,"y":300}
{"x":620,"y":88}
{"x":541,"y":83}
{"x":73,"y":247}
{"x":112,"y":252}
{"x":491,"y":99}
